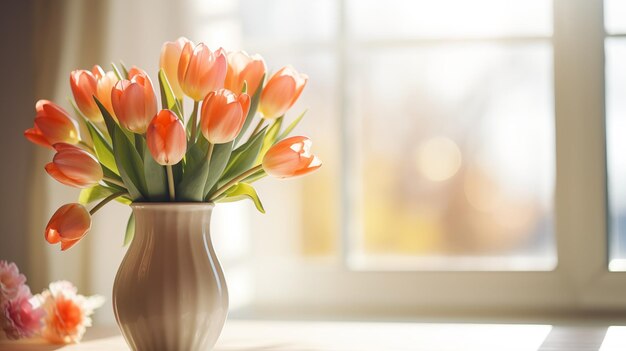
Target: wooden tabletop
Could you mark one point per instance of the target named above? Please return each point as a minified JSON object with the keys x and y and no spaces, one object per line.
{"x":356,"y":336}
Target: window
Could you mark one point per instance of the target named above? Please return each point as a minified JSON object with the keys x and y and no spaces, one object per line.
{"x":455,"y":135}
{"x":616,"y":128}
{"x":464,"y":150}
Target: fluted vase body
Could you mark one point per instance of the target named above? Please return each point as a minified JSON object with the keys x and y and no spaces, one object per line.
{"x":170,"y":292}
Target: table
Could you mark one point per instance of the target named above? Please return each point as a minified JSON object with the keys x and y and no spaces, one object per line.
{"x":247,"y":335}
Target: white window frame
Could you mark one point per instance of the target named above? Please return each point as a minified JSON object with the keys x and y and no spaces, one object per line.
{"x":284,"y":282}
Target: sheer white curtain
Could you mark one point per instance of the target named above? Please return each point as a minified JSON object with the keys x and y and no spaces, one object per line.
{"x":81,"y":34}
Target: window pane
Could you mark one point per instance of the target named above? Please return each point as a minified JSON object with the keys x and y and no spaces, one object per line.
{"x":449,"y":18}
{"x":615,"y":16}
{"x":616,"y":144}
{"x":457,"y":150}
{"x":313,"y":202}
{"x":280,"y":21}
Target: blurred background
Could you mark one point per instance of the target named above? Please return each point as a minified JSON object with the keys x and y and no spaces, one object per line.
{"x":473,"y":152}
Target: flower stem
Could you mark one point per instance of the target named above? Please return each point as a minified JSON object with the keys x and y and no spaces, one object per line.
{"x":106,"y":201}
{"x":170,"y":182}
{"x":114,"y":181}
{"x":234,"y":181}
{"x":194,"y":121}
{"x":209,"y":153}
{"x":258,"y":127}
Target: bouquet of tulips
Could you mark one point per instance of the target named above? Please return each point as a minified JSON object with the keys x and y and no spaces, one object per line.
{"x":132,"y":151}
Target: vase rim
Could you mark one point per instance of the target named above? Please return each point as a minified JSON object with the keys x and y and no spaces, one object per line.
{"x":173,"y":204}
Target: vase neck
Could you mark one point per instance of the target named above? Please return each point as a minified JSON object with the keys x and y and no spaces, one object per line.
{"x":164,"y":219}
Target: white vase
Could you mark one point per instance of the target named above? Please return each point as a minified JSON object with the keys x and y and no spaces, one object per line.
{"x":170,"y":292}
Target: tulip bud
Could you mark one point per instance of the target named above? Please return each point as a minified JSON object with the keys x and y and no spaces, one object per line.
{"x":223,"y":114}
{"x":68,"y":225}
{"x":134,"y":103}
{"x":52,"y":125}
{"x":104,"y":84}
{"x":281,"y":92}
{"x":170,"y":56}
{"x":200,"y":70}
{"x":133,"y":71}
{"x":166,"y":138}
{"x":291,"y":157}
{"x":74,"y":167}
{"x":244,"y":68}
{"x":84,"y":87}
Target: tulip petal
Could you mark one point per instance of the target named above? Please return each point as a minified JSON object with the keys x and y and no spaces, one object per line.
{"x":35,"y":136}
{"x":277,"y":96}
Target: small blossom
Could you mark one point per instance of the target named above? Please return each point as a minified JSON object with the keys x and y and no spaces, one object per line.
{"x":11,"y":281}
{"x":20,"y":318}
{"x":68,"y":314}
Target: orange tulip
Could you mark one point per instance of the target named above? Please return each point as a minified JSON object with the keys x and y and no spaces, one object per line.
{"x":104,"y":84}
{"x":281,"y":92}
{"x":170,"y":56}
{"x":52,"y":125}
{"x":134,"y":103}
{"x":243,"y":67}
{"x":84,"y":86}
{"x":166,"y":138}
{"x":291,"y":158}
{"x":200,"y":70}
{"x":68,"y":225}
{"x":74,"y":167}
{"x":223,"y":114}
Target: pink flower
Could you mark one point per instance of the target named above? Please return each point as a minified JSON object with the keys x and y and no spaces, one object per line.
{"x":67,"y":312}
{"x":11,"y":281}
{"x":20,"y":319}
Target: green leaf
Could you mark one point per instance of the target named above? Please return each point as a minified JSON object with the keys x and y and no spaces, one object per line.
{"x":130,"y":230}
{"x":129,"y":162}
{"x":243,"y":157}
{"x":291,"y":126}
{"x":242,"y":191}
{"x":270,"y":138}
{"x":125,"y":200}
{"x":94,"y":193}
{"x":255,"y":176}
{"x":219,"y":160}
{"x":196,"y":153}
{"x":140,"y":144}
{"x":191,"y":188}
{"x":195,"y":172}
{"x":168,"y":100}
{"x":103,"y":150}
{"x":124,"y":70}
{"x":109,"y":122}
{"x":195,"y":112}
{"x":254,"y":105}
{"x":116,"y":71}
{"x":177,"y":170}
{"x":156,"y":179}
{"x":110,"y":174}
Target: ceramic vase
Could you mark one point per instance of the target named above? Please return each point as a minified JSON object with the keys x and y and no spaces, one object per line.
{"x":169,"y":292}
